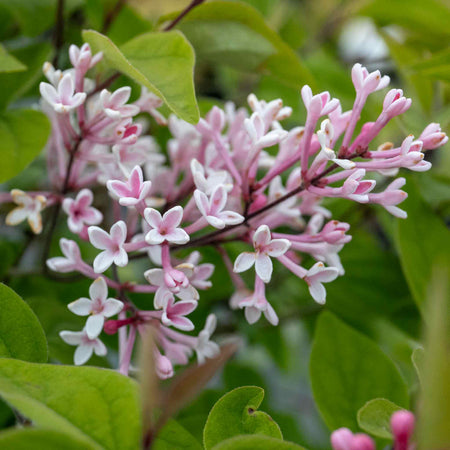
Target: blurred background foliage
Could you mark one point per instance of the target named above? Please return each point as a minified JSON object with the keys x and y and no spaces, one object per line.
{"x":272,"y":52}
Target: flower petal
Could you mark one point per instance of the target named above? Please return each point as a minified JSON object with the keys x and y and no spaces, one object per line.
{"x":264,"y":267}
{"x":98,"y":290}
{"x":244,"y":261}
{"x":94,"y":325}
{"x":81,"y":307}
{"x":112,"y":307}
{"x":103,"y":261}
{"x":82,"y":354}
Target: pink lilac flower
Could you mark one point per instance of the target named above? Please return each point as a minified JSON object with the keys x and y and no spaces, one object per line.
{"x":207,"y":180}
{"x":174,"y":313}
{"x":112,"y":245}
{"x":265,"y":247}
{"x":165,"y":228}
{"x":317,"y":275}
{"x":204,"y":347}
{"x":63,"y":99}
{"x":97,"y":307}
{"x":85,"y":345}
{"x":212,"y":208}
{"x":402,"y":425}
{"x":114,"y":104}
{"x":344,"y":439}
{"x":80,"y":211}
{"x":148,"y":102}
{"x":29,"y":208}
{"x":71,"y":260}
{"x":391,"y":197}
{"x":133,"y":191}
{"x":82,"y":59}
{"x":164,"y":368}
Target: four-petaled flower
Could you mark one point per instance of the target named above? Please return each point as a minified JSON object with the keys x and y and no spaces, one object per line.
{"x":80,"y":211}
{"x":114,"y":104}
{"x":212,"y":208}
{"x":70,"y":261}
{"x":85,"y":345}
{"x":97,"y":307}
{"x":265,"y":247}
{"x":165,"y":228}
{"x":62,"y":99}
{"x":133,"y":191}
{"x":174,"y":312}
{"x":204,"y":347}
{"x":29,"y":209}
{"x":317,"y":275}
{"x":112,"y":245}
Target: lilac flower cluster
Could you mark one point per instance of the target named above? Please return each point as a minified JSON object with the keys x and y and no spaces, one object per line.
{"x":233,"y":176}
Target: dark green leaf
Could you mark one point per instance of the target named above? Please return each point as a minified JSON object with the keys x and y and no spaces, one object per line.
{"x":23,"y":134}
{"x":21,"y":334}
{"x":236,"y":413}
{"x":348,"y":369}
{"x":375,"y":416}
{"x":175,"y":437}
{"x":99,"y":406}
{"x":236,"y":34}
{"x":163,"y":62}
{"x":421,"y":240}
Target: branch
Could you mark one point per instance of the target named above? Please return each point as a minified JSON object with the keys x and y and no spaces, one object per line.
{"x":58,"y":36}
{"x":112,"y":15}
{"x":185,"y":11}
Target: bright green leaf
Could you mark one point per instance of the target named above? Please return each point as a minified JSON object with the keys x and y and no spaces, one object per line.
{"x":21,"y":334}
{"x":99,"y":406}
{"x":254,"y":442}
{"x":347,"y":369}
{"x":163,"y":62}
{"x":375,"y":417}
{"x":8,"y":63}
{"x":236,"y":34}
{"x":236,"y":413}
{"x":36,"y":439}
{"x":23,"y":134}
{"x":175,"y":437}
{"x":421,"y":240}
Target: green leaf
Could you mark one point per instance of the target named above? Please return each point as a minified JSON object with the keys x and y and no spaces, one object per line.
{"x":8,"y":63}
{"x":429,"y":21}
{"x":421,"y":240}
{"x":437,"y":66}
{"x":16,"y":84}
{"x":236,"y":34}
{"x":347,"y":369}
{"x":23,"y":134}
{"x":375,"y":417}
{"x":163,"y":62}
{"x":36,"y":16}
{"x":236,"y":413}
{"x":99,"y":406}
{"x":21,"y":334}
{"x":175,"y":437}
{"x":418,"y":359}
{"x":32,"y":438}
{"x":254,"y":442}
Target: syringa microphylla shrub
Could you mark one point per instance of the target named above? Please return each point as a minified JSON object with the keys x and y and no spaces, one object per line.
{"x":238,"y":175}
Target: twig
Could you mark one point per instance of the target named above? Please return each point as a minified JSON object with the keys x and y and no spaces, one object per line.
{"x":110,"y":80}
{"x":112,"y":15}
{"x":185,"y":11}
{"x":58,"y":36}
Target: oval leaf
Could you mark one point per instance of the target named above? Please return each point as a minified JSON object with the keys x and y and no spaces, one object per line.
{"x":347,"y":369}
{"x":23,"y":134}
{"x":99,"y":406}
{"x":8,"y":63}
{"x":238,"y":35}
{"x":162,"y":62}
{"x":21,"y":334}
{"x":259,"y":442}
{"x":236,"y":413}
{"x":32,"y":438}
{"x":375,"y":417}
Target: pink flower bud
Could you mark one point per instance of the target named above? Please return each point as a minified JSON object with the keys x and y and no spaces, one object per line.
{"x":402,"y":425}
{"x":362,"y":442}
{"x":341,"y":439}
{"x":164,"y":367}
